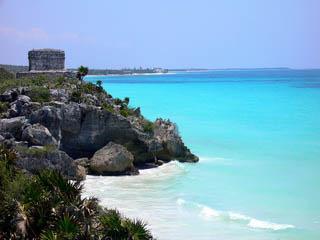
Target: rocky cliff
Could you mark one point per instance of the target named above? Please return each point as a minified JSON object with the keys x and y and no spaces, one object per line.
{"x":80,"y":128}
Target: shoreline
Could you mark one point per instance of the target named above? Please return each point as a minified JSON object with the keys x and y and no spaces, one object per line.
{"x":133,"y":74}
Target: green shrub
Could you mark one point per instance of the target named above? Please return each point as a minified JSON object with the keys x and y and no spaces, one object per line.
{"x":39,"y":94}
{"x":118,"y":101}
{"x":126,"y":100}
{"x":148,"y":126}
{"x":124,"y":112}
{"x":4,"y":106}
{"x":39,"y":81}
{"x":107,"y":107}
{"x":99,"y":85}
{"x":88,"y":88}
{"x":59,"y":81}
{"x":76,"y":96}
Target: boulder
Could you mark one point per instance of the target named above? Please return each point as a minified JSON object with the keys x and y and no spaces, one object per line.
{"x":13,"y":126}
{"x":112,"y":159}
{"x":37,"y":158}
{"x":37,"y":134}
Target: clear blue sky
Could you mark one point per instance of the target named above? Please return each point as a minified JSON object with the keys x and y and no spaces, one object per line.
{"x":164,"y":33}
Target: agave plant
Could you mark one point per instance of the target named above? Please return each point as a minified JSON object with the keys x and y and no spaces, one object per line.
{"x":137,"y":229}
{"x":47,"y":206}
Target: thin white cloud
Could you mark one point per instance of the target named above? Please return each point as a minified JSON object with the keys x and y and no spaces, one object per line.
{"x":38,"y":34}
{"x":30,"y":34}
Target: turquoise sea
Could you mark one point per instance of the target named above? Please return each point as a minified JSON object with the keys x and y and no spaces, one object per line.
{"x":257,"y":133}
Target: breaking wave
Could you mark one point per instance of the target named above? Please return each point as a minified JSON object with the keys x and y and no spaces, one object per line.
{"x":208,"y":213}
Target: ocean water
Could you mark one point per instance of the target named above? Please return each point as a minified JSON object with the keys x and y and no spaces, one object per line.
{"x":257,"y":133}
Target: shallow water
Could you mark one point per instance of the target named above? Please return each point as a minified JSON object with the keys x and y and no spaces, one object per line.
{"x":257,"y":134}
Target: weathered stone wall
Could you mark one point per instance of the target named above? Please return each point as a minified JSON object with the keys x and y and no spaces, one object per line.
{"x":47,"y":74}
{"x":46,"y":59}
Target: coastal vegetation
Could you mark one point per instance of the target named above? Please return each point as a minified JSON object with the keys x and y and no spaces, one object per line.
{"x":55,"y":131}
{"x":82,"y":72}
{"x":29,"y":210}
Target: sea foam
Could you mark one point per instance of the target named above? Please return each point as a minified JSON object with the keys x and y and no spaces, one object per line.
{"x":208,"y":213}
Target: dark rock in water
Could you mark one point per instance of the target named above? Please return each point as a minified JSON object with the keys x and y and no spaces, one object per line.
{"x":37,"y":134}
{"x":113,"y":159}
{"x":36,"y":158}
{"x":13,"y":126}
{"x":173,"y":146}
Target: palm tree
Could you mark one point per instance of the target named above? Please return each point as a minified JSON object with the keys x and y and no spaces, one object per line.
{"x":82,"y":72}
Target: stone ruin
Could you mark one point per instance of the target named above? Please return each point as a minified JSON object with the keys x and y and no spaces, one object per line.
{"x":48,"y":63}
{"x":46,"y":60}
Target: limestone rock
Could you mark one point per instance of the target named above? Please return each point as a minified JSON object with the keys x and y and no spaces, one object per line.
{"x":37,"y":158}
{"x":112,"y":159}
{"x":37,"y":134}
{"x":23,"y":106}
{"x":81,"y":172}
{"x":50,"y":117}
{"x":174,"y":148}
{"x":13,"y":126}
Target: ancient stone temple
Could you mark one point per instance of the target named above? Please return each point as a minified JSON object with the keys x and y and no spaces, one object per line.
{"x":46,"y":59}
{"x":48,"y":63}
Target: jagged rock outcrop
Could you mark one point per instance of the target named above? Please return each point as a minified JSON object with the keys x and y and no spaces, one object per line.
{"x":112,"y":159}
{"x":116,"y":139}
{"x":84,"y":129}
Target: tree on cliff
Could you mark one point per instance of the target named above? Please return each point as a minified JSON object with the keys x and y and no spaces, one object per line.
{"x":82,"y":72}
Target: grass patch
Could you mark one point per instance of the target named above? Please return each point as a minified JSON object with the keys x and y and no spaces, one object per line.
{"x":36,"y":152}
{"x":39,"y":94}
{"x":4,"y":74}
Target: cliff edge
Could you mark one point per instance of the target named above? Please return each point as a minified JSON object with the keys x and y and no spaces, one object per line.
{"x":78,"y":128}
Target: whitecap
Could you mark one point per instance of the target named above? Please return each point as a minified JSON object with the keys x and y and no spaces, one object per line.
{"x":237,"y":216}
{"x":208,"y":213}
{"x":254,"y":223}
{"x":181,"y":201}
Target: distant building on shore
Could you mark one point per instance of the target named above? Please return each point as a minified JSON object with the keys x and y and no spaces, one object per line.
{"x":46,"y":62}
